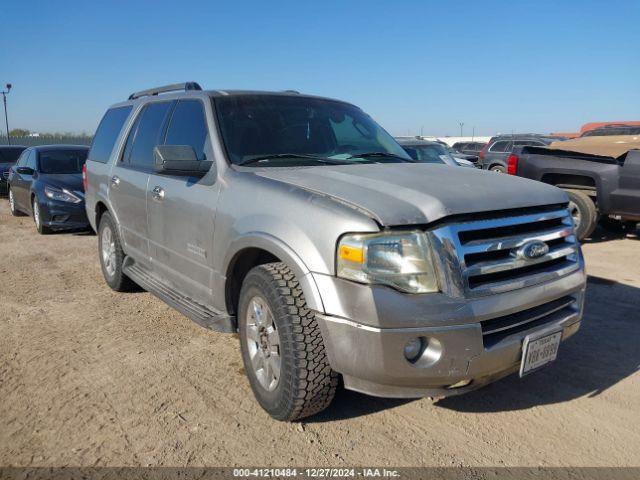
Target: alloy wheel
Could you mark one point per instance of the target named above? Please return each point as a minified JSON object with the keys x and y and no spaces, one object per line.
{"x":36,"y":213}
{"x":575,"y":214}
{"x":263,"y":342}
{"x":108,"y":250}
{"x":12,"y":202}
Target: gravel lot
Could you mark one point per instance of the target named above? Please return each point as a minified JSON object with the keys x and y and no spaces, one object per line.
{"x":92,"y":377}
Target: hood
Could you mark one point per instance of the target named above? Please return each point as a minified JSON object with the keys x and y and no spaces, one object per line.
{"x":70,"y":181}
{"x":417,"y":193}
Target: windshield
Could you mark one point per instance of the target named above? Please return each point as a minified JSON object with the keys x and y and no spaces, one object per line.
{"x":429,"y":153}
{"x":10,"y":154}
{"x":281,"y":127}
{"x":62,"y":161}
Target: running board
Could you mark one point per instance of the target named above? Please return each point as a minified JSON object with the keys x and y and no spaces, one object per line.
{"x":203,"y":316}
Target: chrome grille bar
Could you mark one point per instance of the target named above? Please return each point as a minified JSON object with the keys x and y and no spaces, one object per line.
{"x":488,"y":250}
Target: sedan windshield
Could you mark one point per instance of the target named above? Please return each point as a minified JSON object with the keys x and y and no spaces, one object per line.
{"x":62,"y":161}
{"x":284,"y":130}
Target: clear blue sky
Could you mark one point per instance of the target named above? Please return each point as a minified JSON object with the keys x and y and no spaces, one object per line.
{"x":499,"y":66}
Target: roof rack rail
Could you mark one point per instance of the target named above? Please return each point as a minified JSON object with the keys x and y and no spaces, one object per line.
{"x":291,"y":91}
{"x":186,"y":86}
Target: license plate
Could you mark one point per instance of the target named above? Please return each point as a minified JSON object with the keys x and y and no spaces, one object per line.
{"x":537,"y":352}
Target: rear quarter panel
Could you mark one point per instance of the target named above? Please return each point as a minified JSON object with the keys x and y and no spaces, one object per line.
{"x":536,"y":164}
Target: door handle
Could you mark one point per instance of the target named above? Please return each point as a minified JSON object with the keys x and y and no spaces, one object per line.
{"x":157,"y":193}
{"x":115,"y":181}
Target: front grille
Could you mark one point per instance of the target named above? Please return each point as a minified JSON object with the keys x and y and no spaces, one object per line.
{"x":490,"y":250}
{"x":495,"y":329}
{"x":5,"y":175}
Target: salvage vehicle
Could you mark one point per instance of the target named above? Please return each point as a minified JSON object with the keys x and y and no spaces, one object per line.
{"x":8,"y":156}
{"x":301,"y":224}
{"x":471,"y":149}
{"x":494,"y":154}
{"x":431,"y":152}
{"x":601,"y":174}
{"x":46,"y":182}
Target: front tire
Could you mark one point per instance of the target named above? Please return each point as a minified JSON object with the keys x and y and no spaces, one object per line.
{"x":37,"y":217}
{"x":112,"y":256}
{"x":584,"y":213}
{"x":282,"y":347}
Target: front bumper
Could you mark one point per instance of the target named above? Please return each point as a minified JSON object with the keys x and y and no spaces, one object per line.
{"x":63,"y":215}
{"x":366,"y":328}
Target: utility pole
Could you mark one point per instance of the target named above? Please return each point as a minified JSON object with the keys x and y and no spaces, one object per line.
{"x":461,"y":125}
{"x":6,"y":118}
{"x":473,"y":133}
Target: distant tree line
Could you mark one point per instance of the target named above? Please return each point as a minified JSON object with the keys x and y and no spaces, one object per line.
{"x":22,"y":132}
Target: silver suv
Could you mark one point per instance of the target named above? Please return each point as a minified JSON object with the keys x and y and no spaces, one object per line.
{"x":300,"y":223}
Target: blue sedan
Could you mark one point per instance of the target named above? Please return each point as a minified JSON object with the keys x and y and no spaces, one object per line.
{"x":46,"y":182}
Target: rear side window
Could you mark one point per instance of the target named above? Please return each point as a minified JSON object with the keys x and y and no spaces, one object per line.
{"x":188,"y":126}
{"x":107,"y":133}
{"x":148,"y":134}
{"x":524,"y":143}
{"x":500,"y":146}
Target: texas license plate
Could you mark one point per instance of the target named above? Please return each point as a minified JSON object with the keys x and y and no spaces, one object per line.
{"x":538,"y":351}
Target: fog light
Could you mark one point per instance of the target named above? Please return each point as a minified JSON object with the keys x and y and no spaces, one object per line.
{"x":413,"y":349}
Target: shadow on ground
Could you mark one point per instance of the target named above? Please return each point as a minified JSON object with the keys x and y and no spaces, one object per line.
{"x":601,"y":234}
{"x":605,"y":351}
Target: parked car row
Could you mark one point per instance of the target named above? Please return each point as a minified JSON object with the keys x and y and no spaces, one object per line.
{"x":493,"y":156}
{"x":333,"y":250}
{"x":46,"y":183}
{"x":8,"y":156}
{"x":601,"y":175}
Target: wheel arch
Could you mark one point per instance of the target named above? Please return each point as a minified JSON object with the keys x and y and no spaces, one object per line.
{"x":572,"y":181}
{"x":256,"y":249}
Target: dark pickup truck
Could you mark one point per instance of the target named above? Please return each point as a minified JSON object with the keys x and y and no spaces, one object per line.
{"x":599,"y":187}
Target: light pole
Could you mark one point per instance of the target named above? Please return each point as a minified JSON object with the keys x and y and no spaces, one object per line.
{"x":6,"y":118}
{"x":461,"y":125}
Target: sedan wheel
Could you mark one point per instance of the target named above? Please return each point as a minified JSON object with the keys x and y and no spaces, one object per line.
{"x":12,"y":204}
{"x":37,"y":218}
{"x":263,"y":342}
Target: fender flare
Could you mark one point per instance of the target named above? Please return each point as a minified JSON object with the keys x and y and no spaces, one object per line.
{"x":286,"y":254}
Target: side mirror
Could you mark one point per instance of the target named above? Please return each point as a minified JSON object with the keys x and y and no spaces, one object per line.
{"x":179,"y":160}
{"x":25,"y":170}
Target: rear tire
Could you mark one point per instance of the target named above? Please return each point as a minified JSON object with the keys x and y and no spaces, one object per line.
{"x":37,"y":217}
{"x":584,"y":213}
{"x":112,"y":256}
{"x":274,"y":319}
{"x":497,"y":169}
{"x":12,"y":205}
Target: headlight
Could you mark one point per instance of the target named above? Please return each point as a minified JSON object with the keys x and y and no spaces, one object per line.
{"x":63,"y":195}
{"x":401,"y":260}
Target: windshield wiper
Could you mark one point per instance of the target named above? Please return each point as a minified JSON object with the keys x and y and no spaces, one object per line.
{"x":381,"y":154}
{"x":328,"y":161}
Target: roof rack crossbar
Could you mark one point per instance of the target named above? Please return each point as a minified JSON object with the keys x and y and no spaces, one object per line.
{"x":186,"y":86}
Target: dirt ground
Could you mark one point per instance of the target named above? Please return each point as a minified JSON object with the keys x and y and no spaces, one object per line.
{"x":92,"y":377}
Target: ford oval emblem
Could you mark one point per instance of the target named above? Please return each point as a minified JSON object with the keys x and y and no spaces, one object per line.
{"x":532,"y":250}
